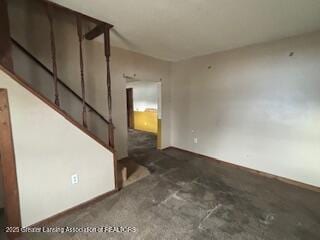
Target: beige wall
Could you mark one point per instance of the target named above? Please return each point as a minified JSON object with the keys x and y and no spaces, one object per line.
{"x":48,"y":151}
{"x":145,"y":95}
{"x":255,"y":107}
{"x":30,"y":27}
{"x":146,"y":69}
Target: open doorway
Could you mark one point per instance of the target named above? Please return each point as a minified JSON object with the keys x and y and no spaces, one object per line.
{"x":144,"y":116}
{"x":144,"y":128}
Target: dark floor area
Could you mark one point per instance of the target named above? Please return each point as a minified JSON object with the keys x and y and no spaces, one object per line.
{"x":129,"y":169}
{"x":141,"y":143}
{"x":188,"y":197}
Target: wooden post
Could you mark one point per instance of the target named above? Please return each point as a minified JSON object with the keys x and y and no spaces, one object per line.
{"x":5,"y":42}
{"x":53,"y":54}
{"x":8,"y":169}
{"x":107,"y":54}
{"x":83,"y":90}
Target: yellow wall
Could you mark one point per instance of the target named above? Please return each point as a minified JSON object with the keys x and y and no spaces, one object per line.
{"x":146,"y":121}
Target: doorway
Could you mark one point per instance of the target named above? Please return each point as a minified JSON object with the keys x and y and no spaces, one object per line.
{"x":143,"y":121}
{"x":143,"y":114}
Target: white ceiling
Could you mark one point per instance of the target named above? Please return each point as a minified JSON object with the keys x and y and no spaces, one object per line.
{"x":179,"y":29}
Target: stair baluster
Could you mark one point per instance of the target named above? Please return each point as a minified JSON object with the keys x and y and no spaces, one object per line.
{"x":83,"y":90}
{"x":100,"y":28}
{"x":53,"y":55}
{"x":107,"y":54}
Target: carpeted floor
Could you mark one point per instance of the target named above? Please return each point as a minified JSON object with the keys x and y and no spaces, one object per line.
{"x":141,"y":143}
{"x":188,"y":197}
{"x":129,"y":169}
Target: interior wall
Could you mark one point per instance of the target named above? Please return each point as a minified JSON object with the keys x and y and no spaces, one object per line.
{"x":146,"y":68}
{"x":29,"y":26}
{"x":145,"y":95}
{"x":146,"y":121}
{"x":256,"y":107}
{"x":48,"y":151}
{"x":145,"y":105}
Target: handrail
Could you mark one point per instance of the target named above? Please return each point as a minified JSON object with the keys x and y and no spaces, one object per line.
{"x":44,"y":99}
{"x":59,"y":80}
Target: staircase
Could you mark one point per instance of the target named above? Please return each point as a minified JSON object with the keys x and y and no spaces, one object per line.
{"x":71,"y":103}
{"x":40,"y":64}
{"x":66,"y":134}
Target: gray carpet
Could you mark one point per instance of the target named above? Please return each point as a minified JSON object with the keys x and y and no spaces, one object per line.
{"x":141,"y":143}
{"x":187,"y":197}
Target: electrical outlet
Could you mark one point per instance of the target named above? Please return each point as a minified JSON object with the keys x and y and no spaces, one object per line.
{"x":75,"y":179}
{"x":195,"y":140}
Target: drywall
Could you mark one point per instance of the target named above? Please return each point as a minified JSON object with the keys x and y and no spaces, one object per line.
{"x":146,"y":69}
{"x":29,"y":26}
{"x":49,"y":150}
{"x":145,"y":105}
{"x":256,"y":107}
{"x":146,"y":121}
{"x":145,"y":95}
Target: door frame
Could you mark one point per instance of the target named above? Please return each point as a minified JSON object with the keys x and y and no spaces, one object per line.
{"x":159,"y":113}
{"x":130,"y":113}
{"x":8,"y":170}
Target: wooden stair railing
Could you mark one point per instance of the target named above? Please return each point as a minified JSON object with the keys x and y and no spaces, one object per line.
{"x":88,"y":106}
{"x":51,"y":104}
{"x":7,"y":66}
{"x":100,"y":28}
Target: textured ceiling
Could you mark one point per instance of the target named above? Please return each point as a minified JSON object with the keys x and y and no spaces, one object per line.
{"x":179,"y":29}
